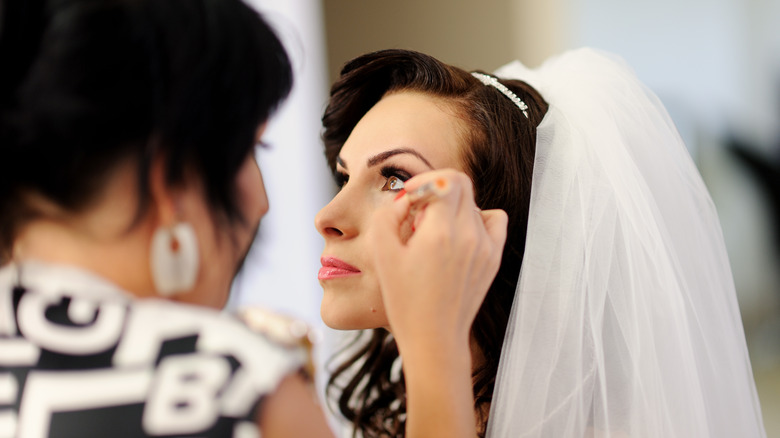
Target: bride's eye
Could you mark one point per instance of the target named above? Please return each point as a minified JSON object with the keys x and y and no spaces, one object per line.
{"x":393,"y":183}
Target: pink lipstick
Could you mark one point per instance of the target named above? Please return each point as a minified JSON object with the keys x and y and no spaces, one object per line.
{"x":335,"y":268}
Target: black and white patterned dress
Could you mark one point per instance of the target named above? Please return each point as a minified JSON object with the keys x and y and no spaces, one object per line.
{"x":81,"y":358}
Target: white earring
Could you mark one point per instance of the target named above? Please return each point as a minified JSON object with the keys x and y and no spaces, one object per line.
{"x":174,"y":259}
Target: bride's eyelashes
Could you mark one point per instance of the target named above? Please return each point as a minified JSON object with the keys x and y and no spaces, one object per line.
{"x":394,"y":178}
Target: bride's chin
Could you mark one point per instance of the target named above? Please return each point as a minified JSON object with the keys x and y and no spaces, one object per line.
{"x":341,"y":321}
{"x":341,"y":318}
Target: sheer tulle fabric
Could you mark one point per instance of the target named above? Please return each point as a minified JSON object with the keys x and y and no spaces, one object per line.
{"x":625,"y":322}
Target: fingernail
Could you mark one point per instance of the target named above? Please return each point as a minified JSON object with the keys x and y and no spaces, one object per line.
{"x":400,"y":193}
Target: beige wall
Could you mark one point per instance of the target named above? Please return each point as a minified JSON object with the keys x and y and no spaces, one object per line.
{"x":468,"y":33}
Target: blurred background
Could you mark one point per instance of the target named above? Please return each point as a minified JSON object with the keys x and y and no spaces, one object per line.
{"x":714,"y":63}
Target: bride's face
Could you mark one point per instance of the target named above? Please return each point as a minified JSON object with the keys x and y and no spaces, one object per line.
{"x":403,"y":135}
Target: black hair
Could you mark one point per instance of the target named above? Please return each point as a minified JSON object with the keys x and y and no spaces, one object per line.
{"x":86,"y":84}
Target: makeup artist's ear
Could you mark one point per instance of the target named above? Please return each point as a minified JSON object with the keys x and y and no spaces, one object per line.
{"x":162,"y":196}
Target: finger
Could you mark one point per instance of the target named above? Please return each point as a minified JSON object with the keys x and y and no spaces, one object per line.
{"x":430,"y":187}
{"x":445,"y":210}
{"x":416,"y":181}
{"x":386,"y":228}
{"x":496,"y":225}
{"x":492,"y":232}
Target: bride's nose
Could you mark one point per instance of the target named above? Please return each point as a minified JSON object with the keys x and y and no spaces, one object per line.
{"x":336,"y":220}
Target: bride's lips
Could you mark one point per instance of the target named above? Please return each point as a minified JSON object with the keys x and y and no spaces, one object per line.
{"x":335,"y":268}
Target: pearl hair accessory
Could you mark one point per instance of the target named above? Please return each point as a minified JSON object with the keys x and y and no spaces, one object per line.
{"x":493,"y":82}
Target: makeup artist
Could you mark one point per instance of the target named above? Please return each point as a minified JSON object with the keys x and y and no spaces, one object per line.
{"x":129,"y":195}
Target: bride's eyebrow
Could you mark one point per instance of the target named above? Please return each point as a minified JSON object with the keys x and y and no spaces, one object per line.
{"x":379,"y":158}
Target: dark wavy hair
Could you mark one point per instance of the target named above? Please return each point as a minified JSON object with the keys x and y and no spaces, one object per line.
{"x":498,"y":157}
{"x":87,"y":84}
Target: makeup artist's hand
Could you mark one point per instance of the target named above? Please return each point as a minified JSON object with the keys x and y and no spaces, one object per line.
{"x":434,"y":283}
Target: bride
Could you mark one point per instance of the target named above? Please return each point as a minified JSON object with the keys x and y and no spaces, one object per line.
{"x":613,"y":312}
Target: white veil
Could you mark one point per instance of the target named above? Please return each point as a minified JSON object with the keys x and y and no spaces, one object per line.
{"x":625,"y":322}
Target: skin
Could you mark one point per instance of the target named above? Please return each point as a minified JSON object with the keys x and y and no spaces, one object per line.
{"x":434,"y":345}
{"x":105,"y":232}
{"x":422,"y":132}
{"x":425,"y":288}
{"x":97,"y":238}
